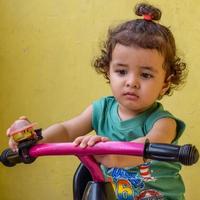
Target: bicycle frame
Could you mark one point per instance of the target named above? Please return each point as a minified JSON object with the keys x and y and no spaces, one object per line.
{"x":85,"y":154}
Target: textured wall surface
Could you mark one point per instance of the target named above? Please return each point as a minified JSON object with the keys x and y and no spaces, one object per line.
{"x":46,"y":48}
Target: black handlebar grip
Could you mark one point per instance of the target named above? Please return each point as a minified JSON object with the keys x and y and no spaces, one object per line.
{"x":10,"y":158}
{"x":186,"y":154}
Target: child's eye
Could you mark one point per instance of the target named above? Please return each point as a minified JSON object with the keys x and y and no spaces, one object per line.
{"x":146,"y":75}
{"x":121,"y":72}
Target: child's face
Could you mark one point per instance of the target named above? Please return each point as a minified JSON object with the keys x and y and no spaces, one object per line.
{"x":137,"y":78}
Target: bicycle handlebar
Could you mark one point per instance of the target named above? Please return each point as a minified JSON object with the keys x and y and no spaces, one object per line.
{"x":186,"y":154}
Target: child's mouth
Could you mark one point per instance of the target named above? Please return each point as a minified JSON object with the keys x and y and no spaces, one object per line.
{"x":131,"y":96}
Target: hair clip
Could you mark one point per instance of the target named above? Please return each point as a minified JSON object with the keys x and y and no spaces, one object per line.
{"x":147,"y":17}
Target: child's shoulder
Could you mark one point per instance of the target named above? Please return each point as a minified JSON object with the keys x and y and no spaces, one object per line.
{"x":159,"y":113}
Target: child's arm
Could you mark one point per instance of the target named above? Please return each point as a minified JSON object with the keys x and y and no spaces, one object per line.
{"x":69,"y":130}
{"x":163,"y":131}
{"x":65,"y":131}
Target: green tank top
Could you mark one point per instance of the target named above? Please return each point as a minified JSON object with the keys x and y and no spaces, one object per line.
{"x":152,"y":180}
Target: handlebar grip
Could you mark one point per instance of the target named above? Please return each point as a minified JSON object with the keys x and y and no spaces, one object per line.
{"x":10,"y":158}
{"x":186,"y":154}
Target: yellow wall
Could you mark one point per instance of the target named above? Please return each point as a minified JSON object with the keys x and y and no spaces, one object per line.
{"x":46,"y":47}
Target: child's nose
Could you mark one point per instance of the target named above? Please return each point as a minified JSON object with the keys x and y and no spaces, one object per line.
{"x":132,"y":82}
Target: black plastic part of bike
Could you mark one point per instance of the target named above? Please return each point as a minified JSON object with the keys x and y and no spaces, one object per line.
{"x":39,"y":133}
{"x":10,"y":158}
{"x":24,"y":155}
{"x":80,"y":180}
{"x":186,"y":154}
{"x":99,"y":191}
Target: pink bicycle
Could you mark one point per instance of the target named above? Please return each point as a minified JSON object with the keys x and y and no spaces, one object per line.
{"x":88,"y":183}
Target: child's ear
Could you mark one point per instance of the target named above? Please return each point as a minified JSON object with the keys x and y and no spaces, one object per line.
{"x":166,"y":86}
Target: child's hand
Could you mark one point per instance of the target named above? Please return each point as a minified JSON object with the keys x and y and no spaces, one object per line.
{"x":89,"y":140}
{"x":13,"y":144}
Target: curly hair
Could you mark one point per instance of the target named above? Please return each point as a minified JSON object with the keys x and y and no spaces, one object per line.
{"x":147,"y":34}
